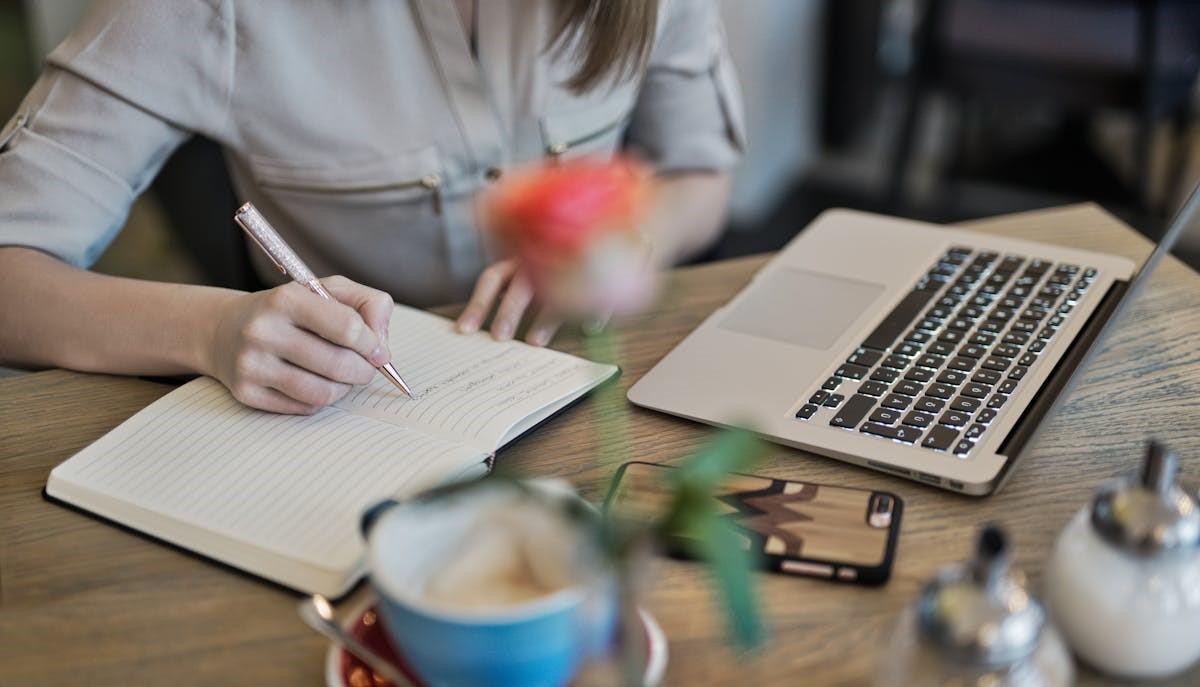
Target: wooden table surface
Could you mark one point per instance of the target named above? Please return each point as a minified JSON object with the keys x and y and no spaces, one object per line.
{"x":84,"y":603}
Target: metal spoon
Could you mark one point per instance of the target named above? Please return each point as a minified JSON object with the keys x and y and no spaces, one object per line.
{"x":318,"y":614}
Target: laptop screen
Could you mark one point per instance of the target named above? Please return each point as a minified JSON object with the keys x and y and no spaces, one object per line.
{"x":1183,"y":236}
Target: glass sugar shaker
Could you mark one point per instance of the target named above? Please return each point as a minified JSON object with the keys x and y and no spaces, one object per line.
{"x":975,"y":624}
{"x":1124,"y":579}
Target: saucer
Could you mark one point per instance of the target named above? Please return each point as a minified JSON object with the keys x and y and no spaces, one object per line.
{"x":344,"y":670}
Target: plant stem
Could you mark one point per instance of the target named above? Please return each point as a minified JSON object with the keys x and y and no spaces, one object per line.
{"x":611,"y":412}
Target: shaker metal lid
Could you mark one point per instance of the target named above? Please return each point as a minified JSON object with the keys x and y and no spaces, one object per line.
{"x":978,"y":612}
{"x":1148,"y":514}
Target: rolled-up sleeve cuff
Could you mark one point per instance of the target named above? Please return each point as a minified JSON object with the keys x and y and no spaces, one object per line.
{"x":691,"y":119}
{"x":54,"y":199}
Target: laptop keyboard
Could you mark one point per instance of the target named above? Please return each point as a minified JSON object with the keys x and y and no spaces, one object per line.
{"x":943,"y":363}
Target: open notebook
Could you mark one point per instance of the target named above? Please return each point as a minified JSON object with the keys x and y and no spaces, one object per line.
{"x":280,"y":496}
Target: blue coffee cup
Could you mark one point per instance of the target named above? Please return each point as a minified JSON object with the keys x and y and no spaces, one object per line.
{"x":540,"y":642}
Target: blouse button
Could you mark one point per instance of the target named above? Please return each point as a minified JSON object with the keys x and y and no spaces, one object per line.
{"x":493,"y":173}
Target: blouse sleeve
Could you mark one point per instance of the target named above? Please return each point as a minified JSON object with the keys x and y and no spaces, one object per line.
{"x":688,"y":115}
{"x":115,"y":100}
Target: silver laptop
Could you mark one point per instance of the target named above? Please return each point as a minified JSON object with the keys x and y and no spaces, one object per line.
{"x":925,"y":352}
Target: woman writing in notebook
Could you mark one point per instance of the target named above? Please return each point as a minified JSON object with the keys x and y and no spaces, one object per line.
{"x":364,"y":133}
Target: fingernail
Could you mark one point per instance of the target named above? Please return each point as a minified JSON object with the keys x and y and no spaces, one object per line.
{"x":539,"y":338}
{"x":502,"y":330}
{"x":379,"y":356}
{"x":468,"y":326}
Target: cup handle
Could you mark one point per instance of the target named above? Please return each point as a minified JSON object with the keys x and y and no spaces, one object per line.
{"x":371,"y":515}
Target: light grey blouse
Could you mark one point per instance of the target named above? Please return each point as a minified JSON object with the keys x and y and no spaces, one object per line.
{"x":361,"y":129}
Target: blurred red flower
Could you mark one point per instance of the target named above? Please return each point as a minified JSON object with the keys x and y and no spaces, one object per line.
{"x":574,"y":226}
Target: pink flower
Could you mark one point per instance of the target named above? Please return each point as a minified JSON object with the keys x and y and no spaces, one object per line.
{"x":574,"y":228}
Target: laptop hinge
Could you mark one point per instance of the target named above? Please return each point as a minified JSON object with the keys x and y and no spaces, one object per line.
{"x":1051,"y":392}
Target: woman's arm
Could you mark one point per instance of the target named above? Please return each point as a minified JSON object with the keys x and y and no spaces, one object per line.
{"x":689,"y":215}
{"x":285,"y":350}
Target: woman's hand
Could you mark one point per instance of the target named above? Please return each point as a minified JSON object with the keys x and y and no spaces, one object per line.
{"x":505,"y":288}
{"x":287,"y":350}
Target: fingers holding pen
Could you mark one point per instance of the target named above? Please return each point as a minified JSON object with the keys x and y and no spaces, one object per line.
{"x":333,"y":321}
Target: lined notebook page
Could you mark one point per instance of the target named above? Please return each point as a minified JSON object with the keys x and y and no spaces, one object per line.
{"x":293,"y":486}
{"x":469,"y":389}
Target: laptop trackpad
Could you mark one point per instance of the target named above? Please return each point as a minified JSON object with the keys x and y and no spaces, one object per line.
{"x":802,"y":308}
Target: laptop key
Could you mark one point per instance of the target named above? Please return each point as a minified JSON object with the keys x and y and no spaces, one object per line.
{"x":918,"y":336}
{"x":951,"y":336}
{"x":851,"y":371}
{"x":961,"y":364}
{"x":832,"y":384}
{"x":806,"y":411}
{"x":896,"y":362}
{"x":909,"y":388}
{"x":852,"y":413}
{"x":896,"y":401}
{"x":974,"y":390}
{"x":873,"y":388}
{"x":887,"y":331}
{"x":972,"y":351}
{"x":931,"y":361}
{"x":834,"y":400}
{"x":864,"y":357}
{"x":1028,"y":359}
{"x":1017,"y":338}
{"x":917,"y":419}
{"x":986,"y":377}
{"x":819,"y":397}
{"x":997,"y":401}
{"x":983,"y":339}
{"x":884,"y":375}
{"x":963,"y":447}
{"x":1006,"y":350}
{"x":940,"y":438}
{"x":996,"y":363}
{"x":974,"y":431}
{"x":1007,"y":386}
{"x":919,"y":374}
{"x":985,"y":416}
{"x":954,"y":418}
{"x":908,"y":349}
{"x":941,"y":391}
{"x":929,"y":405}
{"x":952,"y":377}
{"x":941,"y":347}
{"x":966,"y":405}
{"x":886,"y":416}
{"x":900,"y":432}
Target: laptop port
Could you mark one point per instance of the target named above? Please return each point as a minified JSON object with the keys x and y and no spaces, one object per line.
{"x":932,"y":479}
{"x":889,"y":468}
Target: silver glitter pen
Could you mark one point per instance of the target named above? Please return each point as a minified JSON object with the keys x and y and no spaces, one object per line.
{"x":251,"y":220}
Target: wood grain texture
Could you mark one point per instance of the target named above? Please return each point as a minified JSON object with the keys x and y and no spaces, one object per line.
{"x":84,"y":603}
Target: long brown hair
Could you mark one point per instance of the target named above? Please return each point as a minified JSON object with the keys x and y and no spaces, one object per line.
{"x":614,"y":38}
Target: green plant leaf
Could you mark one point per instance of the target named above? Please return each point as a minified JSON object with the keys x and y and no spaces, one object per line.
{"x":717,"y":542}
{"x":733,"y":450}
{"x":713,"y":538}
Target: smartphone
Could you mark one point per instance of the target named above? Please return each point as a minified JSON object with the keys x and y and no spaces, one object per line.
{"x":836,"y":533}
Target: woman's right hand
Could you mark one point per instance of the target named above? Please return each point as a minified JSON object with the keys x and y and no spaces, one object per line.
{"x":287,"y":350}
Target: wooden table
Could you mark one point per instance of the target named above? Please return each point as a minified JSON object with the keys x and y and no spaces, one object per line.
{"x":83,"y":603}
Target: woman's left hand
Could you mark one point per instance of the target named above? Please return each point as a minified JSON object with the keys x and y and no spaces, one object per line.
{"x":505,"y":288}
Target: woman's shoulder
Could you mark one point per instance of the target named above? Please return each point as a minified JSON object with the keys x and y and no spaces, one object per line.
{"x":171,"y":57}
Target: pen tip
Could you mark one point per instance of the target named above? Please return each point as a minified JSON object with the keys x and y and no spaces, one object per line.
{"x":394,"y":378}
